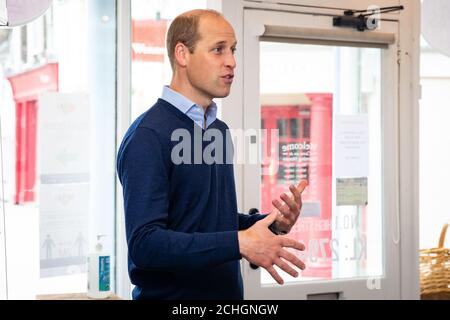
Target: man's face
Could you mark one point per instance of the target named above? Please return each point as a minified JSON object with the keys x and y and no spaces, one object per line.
{"x":210,"y":69}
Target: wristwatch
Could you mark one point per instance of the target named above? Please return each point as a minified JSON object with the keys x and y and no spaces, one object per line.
{"x":275,"y":230}
{"x":272,"y":227}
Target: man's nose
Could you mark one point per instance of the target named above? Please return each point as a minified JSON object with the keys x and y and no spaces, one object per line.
{"x":230,"y":61}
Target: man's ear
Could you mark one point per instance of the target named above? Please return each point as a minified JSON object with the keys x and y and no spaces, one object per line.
{"x":181,"y":54}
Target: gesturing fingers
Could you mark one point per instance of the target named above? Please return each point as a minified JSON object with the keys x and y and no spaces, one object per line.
{"x":297,"y":191}
{"x":286,"y":267}
{"x":302,"y":185}
{"x":293,"y":206}
{"x":275,"y":274}
{"x":291,"y":243}
{"x":297,"y":194}
{"x":283,"y":265}
{"x":282,"y":208}
{"x":292,"y":259}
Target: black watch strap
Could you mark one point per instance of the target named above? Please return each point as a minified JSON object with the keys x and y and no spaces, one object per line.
{"x":275,"y":230}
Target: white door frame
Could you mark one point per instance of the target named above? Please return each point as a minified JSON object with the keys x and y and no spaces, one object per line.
{"x":347,"y":289}
{"x":123,"y":118}
{"x":401,"y":178}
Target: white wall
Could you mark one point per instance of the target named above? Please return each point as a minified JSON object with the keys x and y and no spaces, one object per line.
{"x":434,"y":146}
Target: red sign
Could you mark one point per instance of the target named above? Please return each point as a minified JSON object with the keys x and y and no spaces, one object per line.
{"x":26,"y":88}
{"x":148,"y":41}
{"x":305,"y":151}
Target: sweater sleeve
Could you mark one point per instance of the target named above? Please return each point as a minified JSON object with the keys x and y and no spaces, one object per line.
{"x":247,"y":220}
{"x":143,"y":172}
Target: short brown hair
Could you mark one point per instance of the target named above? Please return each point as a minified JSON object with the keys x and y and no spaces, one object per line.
{"x":184,"y":29}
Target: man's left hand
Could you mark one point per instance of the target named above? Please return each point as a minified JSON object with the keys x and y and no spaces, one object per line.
{"x":289,"y":212}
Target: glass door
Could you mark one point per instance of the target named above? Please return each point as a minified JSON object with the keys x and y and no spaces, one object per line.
{"x":325,"y":104}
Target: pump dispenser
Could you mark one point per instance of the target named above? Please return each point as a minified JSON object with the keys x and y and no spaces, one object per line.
{"x":98,"y":264}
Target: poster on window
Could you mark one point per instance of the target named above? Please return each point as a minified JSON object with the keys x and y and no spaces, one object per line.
{"x":305,"y":123}
{"x":63,"y":162}
{"x":352,"y":145}
{"x":63,"y":228}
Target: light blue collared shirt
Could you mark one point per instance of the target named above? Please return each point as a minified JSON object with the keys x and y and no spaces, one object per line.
{"x":189,"y":108}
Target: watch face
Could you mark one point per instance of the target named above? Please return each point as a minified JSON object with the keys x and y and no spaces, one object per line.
{"x":275,"y":230}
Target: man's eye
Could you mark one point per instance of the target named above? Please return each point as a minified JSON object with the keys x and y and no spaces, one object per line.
{"x":218,"y":50}
{"x":233,"y":50}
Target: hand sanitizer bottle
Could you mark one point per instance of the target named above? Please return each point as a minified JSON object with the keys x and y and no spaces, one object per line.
{"x":98,"y":264}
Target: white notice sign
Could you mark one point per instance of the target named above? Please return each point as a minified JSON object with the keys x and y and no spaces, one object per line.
{"x":351,"y":145}
{"x":63,"y":134}
{"x":63,"y":153}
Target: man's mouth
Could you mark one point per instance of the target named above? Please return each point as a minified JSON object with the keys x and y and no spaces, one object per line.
{"x":228,"y":78}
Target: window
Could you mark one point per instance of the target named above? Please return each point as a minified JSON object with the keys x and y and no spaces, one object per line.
{"x":331,"y":130}
{"x":57,"y":93}
{"x":150,"y":66}
{"x":23,"y":44}
{"x":282,"y":127}
{"x":306,"y":128}
{"x":294,"y":127}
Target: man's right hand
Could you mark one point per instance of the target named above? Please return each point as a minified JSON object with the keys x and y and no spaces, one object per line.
{"x":260,"y":246}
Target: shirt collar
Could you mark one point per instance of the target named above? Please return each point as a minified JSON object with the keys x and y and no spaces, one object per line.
{"x":185,"y":105}
{"x":177,"y":99}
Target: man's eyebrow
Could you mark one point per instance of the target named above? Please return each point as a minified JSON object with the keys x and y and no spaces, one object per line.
{"x":224,"y":42}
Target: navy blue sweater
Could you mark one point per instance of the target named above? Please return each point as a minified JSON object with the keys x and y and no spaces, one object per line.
{"x":181,"y":219}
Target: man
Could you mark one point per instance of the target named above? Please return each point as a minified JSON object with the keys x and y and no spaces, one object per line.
{"x":185,"y":236}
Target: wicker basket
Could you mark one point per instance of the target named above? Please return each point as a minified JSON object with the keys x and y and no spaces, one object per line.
{"x":435,"y":271}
